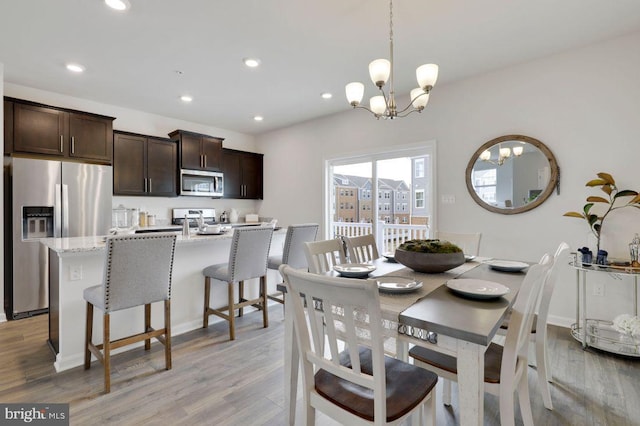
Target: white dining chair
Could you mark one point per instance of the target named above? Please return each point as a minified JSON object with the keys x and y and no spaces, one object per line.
{"x":469,"y":243}
{"x":322,"y":256}
{"x":538,"y":335}
{"x":505,"y":369}
{"x":352,"y":382}
{"x":362,"y":248}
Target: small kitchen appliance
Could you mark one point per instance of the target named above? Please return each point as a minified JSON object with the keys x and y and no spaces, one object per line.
{"x":192,"y":215}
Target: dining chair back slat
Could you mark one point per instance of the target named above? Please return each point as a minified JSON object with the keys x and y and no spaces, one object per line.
{"x":323,"y":255}
{"x":362,"y":248}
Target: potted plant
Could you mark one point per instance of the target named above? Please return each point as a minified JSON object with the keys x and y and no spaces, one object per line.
{"x":612,"y":202}
{"x":431,"y":256}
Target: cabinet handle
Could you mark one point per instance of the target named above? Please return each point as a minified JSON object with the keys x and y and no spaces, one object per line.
{"x":145,"y":184}
{"x":205,"y":161}
{"x":61,"y":142}
{"x":73,"y":144}
{"x":150,"y":186}
{"x":201,"y":162}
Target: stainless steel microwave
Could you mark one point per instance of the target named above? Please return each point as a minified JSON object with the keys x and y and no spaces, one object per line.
{"x":201,"y":183}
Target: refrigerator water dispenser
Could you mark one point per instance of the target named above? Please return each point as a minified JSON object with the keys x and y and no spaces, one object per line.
{"x":37,"y":222}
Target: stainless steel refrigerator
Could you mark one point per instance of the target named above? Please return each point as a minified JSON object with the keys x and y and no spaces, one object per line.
{"x":48,"y":199}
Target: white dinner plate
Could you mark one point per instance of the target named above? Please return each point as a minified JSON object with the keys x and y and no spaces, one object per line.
{"x":397,"y":285}
{"x":507,"y":265}
{"x":390,"y":257}
{"x":210,"y":233}
{"x":354,"y":270}
{"x":477,"y":289}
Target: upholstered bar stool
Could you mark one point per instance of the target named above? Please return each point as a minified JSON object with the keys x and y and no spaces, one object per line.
{"x":247,"y":260}
{"x":137,"y":272}
{"x":293,"y":251}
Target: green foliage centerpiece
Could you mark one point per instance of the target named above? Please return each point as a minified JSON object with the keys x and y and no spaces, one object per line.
{"x":430,"y":256}
{"x":612,"y":202}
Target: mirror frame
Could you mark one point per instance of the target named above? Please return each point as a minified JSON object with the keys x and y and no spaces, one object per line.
{"x":554,"y":180}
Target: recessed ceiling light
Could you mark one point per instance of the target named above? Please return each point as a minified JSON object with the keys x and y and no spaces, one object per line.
{"x":186,"y":98}
{"x":75,"y":67}
{"x":251,"y":62}
{"x":326,"y":95}
{"x":258,"y":118}
{"x":118,"y":4}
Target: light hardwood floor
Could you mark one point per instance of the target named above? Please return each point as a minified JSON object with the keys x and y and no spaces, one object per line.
{"x":218,"y":382}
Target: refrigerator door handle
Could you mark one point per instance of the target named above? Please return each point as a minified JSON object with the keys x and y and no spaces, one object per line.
{"x":65,"y":210}
{"x":57,"y":212}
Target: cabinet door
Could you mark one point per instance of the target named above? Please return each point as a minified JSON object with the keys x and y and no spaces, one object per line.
{"x":212,"y":151}
{"x":232,"y":174}
{"x":190,"y":152}
{"x":162,"y":163}
{"x":39,"y":130}
{"x":90,"y":137}
{"x":8,"y":127}
{"x":129,"y":160}
{"x":252,"y":176}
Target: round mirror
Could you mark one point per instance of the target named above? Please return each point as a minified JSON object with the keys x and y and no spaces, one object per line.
{"x":512,"y":174}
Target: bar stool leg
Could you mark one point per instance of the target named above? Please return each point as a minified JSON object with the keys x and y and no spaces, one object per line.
{"x":167,"y":333}
{"x":232,"y":319}
{"x":88,"y":336}
{"x":263,"y":298}
{"x":240,"y":297}
{"x":207,"y":294}
{"x":147,"y":325}
{"x":106,"y":347}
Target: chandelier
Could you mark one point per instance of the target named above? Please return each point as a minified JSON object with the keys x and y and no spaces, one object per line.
{"x":503,"y":154}
{"x":381,"y":71}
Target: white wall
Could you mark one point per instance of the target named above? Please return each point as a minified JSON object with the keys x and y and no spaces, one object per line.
{"x":583,"y":104}
{"x":3,"y":317}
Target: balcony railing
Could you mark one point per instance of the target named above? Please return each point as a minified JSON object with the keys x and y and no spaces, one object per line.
{"x":389,"y":237}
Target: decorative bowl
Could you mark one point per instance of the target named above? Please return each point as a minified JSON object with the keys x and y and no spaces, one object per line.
{"x":431,"y":263}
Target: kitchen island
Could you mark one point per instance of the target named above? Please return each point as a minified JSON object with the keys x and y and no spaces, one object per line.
{"x":78,"y":263}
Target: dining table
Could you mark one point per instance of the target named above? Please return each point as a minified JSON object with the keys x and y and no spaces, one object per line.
{"x":433,"y":316}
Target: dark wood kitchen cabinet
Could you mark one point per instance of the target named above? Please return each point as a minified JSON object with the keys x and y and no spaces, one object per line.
{"x":42,"y":129}
{"x":144,"y":165}
{"x":198,"y":151}
{"x":8,"y":127}
{"x":242,"y":174}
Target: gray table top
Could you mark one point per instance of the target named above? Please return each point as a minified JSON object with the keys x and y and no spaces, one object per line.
{"x":443,"y":311}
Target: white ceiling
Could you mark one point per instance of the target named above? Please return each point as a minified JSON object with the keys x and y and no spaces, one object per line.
{"x":306,"y":48}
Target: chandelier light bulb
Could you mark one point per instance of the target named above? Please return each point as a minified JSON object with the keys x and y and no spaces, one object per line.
{"x":427,"y":75}
{"x":505,"y":152}
{"x":517,"y":150}
{"x":378,"y":105}
{"x":419,"y":98}
{"x":379,"y":71}
{"x":486,"y":155}
{"x":355,"y":92}
{"x":118,"y":5}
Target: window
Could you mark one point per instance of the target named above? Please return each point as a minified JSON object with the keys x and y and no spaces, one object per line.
{"x":484,"y":182}
{"x":419,"y":167}
{"x":382,"y":182}
{"x":419,"y":197}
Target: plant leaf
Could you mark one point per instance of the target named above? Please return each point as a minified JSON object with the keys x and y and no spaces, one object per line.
{"x":607,"y":177}
{"x":592,"y":219}
{"x":595,"y":199}
{"x":574,"y":214}
{"x":626,"y":193}
{"x":635,"y":200}
{"x":596,"y":182}
{"x":586,"y":209}
{"x":607,"y":189}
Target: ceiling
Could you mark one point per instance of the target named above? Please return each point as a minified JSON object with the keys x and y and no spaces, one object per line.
{"x":149,"y":56}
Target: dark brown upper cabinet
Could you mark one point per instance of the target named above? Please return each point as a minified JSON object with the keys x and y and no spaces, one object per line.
{"x":8,"y":126}
{"x":144,"y":165}
{"x":42,"y":129}
{"x":197,"y":151}
{"x":242,"y":174}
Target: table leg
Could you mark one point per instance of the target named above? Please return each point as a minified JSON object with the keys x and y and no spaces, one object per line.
{"x":584,"y":310}
{"x":291,"y":364}
{"x":471,"y":383}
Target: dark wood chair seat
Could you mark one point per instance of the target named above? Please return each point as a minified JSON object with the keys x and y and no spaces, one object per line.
{"x":407,"y":386}
{"x":492,"y":361}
